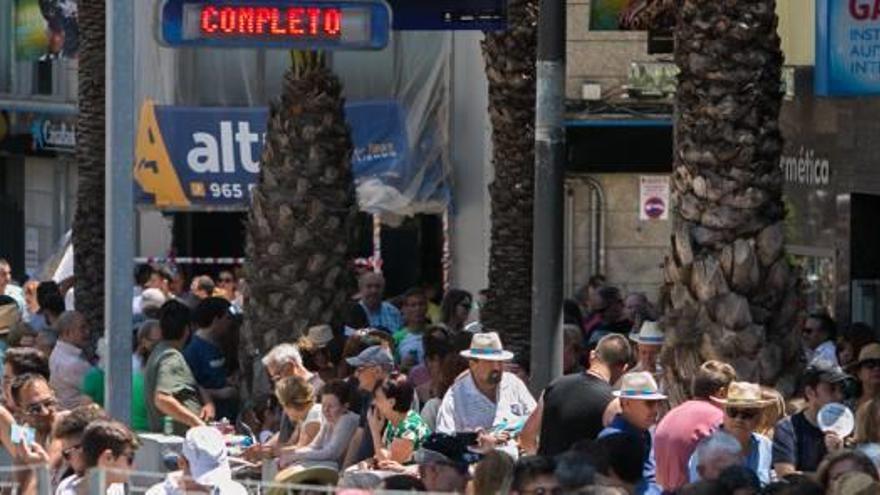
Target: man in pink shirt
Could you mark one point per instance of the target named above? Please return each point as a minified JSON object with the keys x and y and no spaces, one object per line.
{"x":683,"y":427}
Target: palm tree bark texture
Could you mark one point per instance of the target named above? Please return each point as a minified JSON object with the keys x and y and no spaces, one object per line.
{"x":732,"y":293}
{"x":303,"y":210}
{"x":510,"y":67}
{"x":88,"y":221}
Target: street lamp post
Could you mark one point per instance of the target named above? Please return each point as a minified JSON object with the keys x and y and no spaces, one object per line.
{"x":547,"y":274}
{"x":119,"y":206}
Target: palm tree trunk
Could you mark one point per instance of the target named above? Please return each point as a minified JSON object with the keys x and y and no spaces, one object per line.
{"x":88,"y":222}
{"x":510,"y":67}
{"x":303,"y":210}
{"x":731,"y":290}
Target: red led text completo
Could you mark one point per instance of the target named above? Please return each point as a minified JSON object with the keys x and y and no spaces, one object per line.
{"x":306,"y":22}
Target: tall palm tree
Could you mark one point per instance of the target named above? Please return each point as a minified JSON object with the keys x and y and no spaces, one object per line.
{"x":728,"y":281}
{"x":303,"y":209}
{"x":88,"y":221}
{"x":510,"y":67}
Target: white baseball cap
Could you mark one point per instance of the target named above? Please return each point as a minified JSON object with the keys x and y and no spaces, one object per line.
{"x":152,"y":299}
{"x":205,"y":450}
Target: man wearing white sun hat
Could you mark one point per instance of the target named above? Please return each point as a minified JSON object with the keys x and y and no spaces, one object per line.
{"x":649,"y":340}
{"x":640,"y":401}
{"x":486,"y":399}
{"x":204,"y":467}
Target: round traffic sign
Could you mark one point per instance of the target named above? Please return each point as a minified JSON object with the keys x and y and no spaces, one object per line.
{"x":654,"y":207}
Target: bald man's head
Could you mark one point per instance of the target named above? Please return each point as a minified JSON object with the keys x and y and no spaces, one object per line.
{"x":372,"y":287}
{"x":612,"y":353}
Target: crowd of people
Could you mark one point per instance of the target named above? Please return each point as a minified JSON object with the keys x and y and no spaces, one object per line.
{"x":414,"y":394}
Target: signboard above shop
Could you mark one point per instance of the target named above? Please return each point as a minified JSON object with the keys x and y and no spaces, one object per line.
{"x":847,"y":53}
{"x":201,"y":158}
{"x":35,"y":133}
{"x":486,"y":15}
{"x":290,"y":24}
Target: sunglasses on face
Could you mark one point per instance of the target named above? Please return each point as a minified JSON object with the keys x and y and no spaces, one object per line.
{"x":225,"y":280}
{"x":746,"y":414}
{"x":66,"y":453}
{"x":871,"y":363}
{"x":42,"y":407}
{"x":556,"y":490}
{"x":363,"y":369}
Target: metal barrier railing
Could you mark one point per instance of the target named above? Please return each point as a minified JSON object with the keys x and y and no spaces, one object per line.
{"x":11,"y":479}
{"x":100,"y":482}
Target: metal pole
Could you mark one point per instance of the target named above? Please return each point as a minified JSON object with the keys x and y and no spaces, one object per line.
{"x":119,"y":206}
{"x":547,"y":276}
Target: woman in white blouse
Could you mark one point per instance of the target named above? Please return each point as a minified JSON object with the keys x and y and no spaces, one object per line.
{"x":338,"y":426}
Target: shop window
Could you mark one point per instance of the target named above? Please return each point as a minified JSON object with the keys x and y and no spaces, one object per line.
{"x":12,"y":214}
{"x":412,"y":254}
{"x":44,"y":37}
{"x":816,"y":269}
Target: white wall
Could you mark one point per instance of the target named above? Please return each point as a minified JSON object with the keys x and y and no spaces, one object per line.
{"x":154,"y":234}
{"x":472,"y":171}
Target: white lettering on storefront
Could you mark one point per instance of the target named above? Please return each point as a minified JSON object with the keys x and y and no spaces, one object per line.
{"x":805,"y":168}
{"x":215,"y":154}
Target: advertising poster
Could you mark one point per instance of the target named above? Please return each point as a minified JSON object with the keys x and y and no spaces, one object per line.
{"x":190,"y":157}
{"x":632,"y":15}
{"x":46,"y":30}
{"x":605,"y":15}
{"x":653,"y":197}
{"x":847,"y":53}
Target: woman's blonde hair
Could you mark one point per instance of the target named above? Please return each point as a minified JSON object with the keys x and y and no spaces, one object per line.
{"x":867,"y":429}
{"x":294,"y":392}
{"x":772,"y":413}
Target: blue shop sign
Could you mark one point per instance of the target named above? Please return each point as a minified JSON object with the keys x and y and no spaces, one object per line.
{"x":847,"y":47}
{"x":190,"y":157}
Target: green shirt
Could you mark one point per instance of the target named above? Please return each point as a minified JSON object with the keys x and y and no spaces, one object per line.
{"x":166,"y":371}
{"x":93,"y":386}
{"x":412,"y":428}
{"x":409,"y":351}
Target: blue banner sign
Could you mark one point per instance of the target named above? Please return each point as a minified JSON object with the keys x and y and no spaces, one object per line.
{"x":189,"y":157}
{"x":291,"y":24}
{"x":847,"y":47}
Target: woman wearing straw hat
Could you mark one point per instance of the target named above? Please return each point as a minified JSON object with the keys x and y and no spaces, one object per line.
{"x":742,"y":414}
{"x":867,"y":370}
{"x":316,"y":353}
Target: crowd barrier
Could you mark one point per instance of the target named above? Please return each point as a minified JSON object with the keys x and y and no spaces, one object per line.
{"x":141,"y":481}
{"x":9,"y":476}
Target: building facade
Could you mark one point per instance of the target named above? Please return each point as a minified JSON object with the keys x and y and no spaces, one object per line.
{"x":620,"y":149}
{"x":38,"y":87}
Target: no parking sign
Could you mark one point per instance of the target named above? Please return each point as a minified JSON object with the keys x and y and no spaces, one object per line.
{"x":653,"y":197}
